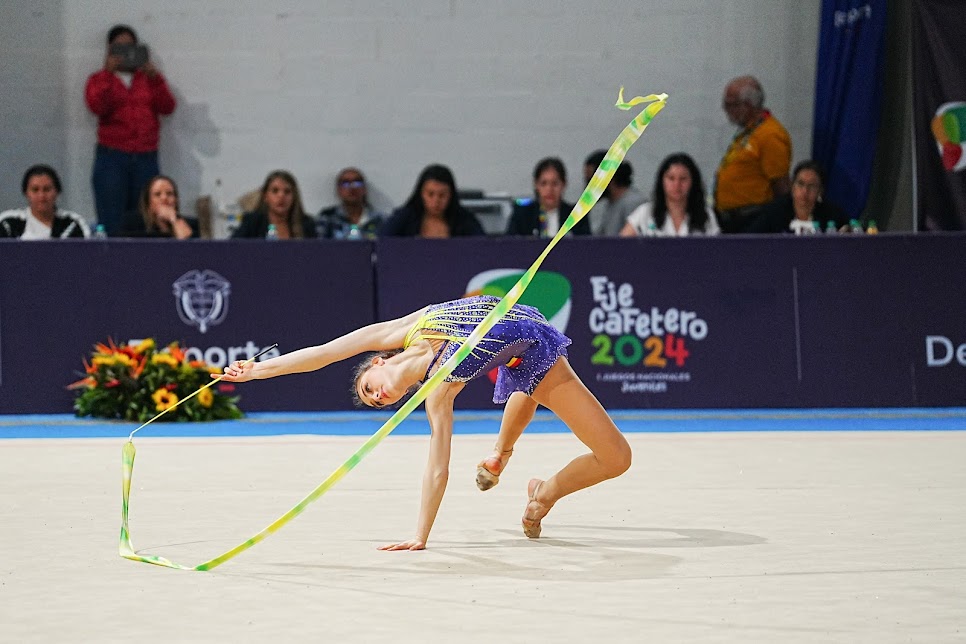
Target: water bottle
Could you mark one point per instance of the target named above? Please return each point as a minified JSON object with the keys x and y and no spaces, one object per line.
{"x":830,"y":228}
{"x":354,"y":232}
{"x":816,"y":228}
{"x":272,"y":234}
{"x":872,"y":228}
{"x":100,"y":232}
{"x":651,"y":230}
{"x":855,"y":227}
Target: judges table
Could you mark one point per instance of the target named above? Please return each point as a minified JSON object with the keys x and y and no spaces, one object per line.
{"x":728,"y":322}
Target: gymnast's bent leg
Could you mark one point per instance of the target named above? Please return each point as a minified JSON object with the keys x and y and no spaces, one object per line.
{"x":517,"y":414}
{"x":562,"y":392}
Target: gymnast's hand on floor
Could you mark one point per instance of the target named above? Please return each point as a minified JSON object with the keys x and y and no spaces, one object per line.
{"x":238,"y":371}
{"x":412,"y":544}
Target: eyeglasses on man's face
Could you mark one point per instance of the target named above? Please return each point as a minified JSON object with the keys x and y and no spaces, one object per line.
{"x":352,"y":183}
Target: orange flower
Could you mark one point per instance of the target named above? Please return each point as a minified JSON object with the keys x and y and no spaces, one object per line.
{"x":137,"y":369}
{"x":88,"y":382}
{"x":176,"y":351}
{"x":164,"y":399}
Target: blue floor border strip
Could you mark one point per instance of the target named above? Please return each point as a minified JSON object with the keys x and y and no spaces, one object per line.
{"x":364,"y":423}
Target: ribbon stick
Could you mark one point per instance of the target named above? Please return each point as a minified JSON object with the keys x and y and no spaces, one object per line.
{"x":593,"y":191}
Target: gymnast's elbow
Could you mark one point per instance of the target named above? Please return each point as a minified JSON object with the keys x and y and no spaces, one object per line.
{"x":437,"y":475}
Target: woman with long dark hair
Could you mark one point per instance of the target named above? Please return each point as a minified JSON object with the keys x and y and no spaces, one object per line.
{"x":678,"y":207}
{"x":279,"y":205}
{"x":432,"y":210}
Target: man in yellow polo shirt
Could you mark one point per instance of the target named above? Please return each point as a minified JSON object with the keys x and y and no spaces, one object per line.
{"x":754,"y":169}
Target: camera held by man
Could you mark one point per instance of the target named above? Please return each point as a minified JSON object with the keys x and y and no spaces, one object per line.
{"x":126,"y":54}
{"x":129,"y":57}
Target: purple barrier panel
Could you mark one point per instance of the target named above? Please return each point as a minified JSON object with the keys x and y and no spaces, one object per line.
{"x":732,"y":322}
{"x":882,"y":320}
{"x":222,"y":300}
{"x":855,"y":297}
{"x":655,"y":323}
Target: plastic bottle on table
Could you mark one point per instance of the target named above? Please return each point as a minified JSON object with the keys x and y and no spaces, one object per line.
{"x":831,"y":228}
{"x":272,"y":234}
{"x":99,"y":232}
{"x":872,"y":228}
{"x":354,"y":233}
{"x":855,"y":227}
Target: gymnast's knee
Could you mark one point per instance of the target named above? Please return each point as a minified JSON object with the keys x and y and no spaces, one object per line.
{"x":617,"y":462}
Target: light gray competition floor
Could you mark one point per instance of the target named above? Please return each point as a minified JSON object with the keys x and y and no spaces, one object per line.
{"x":721,"y":537}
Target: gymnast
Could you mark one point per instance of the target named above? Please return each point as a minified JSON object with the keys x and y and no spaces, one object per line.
{"x":531,"y":358}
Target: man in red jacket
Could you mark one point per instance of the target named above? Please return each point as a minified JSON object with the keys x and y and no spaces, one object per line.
{"x":127,"y":96}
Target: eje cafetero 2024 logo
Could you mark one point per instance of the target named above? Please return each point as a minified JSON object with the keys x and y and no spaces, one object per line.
{"x":630,"y":336}
{"x":202,"y":298}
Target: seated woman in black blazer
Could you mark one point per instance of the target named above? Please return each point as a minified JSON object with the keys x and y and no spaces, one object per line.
{"x":432,"y":210}
{"x":803,"y":208}
{"x":543,"y":216}
{"x":279,"y":205}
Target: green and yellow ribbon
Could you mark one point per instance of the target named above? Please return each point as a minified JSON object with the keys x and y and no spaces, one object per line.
{"x":593,"y":191}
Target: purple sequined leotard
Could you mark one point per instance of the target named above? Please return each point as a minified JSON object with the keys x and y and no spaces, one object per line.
{"x":522,"y":333}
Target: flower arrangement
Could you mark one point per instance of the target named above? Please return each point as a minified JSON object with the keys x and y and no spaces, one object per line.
{"x":136,"y":383}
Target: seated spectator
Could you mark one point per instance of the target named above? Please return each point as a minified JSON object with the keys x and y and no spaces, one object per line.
{"x":543,"y":216}
{"x":279,"y":204}
{"x":622,"y":199}
{"x":353,"y":209}
{"x":679,"y":206}
{"x":432,"y":210}
{"x":591,"y":163}
{"x":41,"y":219}
{"x":598,"y":212}
{"x":803,"y":208}
{"x":158,"y":213}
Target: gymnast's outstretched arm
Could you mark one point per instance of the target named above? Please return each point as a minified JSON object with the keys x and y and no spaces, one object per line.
{"x":381,"y":336}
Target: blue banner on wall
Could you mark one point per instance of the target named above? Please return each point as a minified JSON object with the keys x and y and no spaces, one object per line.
{"x":848,"y":90}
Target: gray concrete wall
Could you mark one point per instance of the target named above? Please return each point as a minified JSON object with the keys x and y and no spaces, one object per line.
{"x":485,"y":87}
